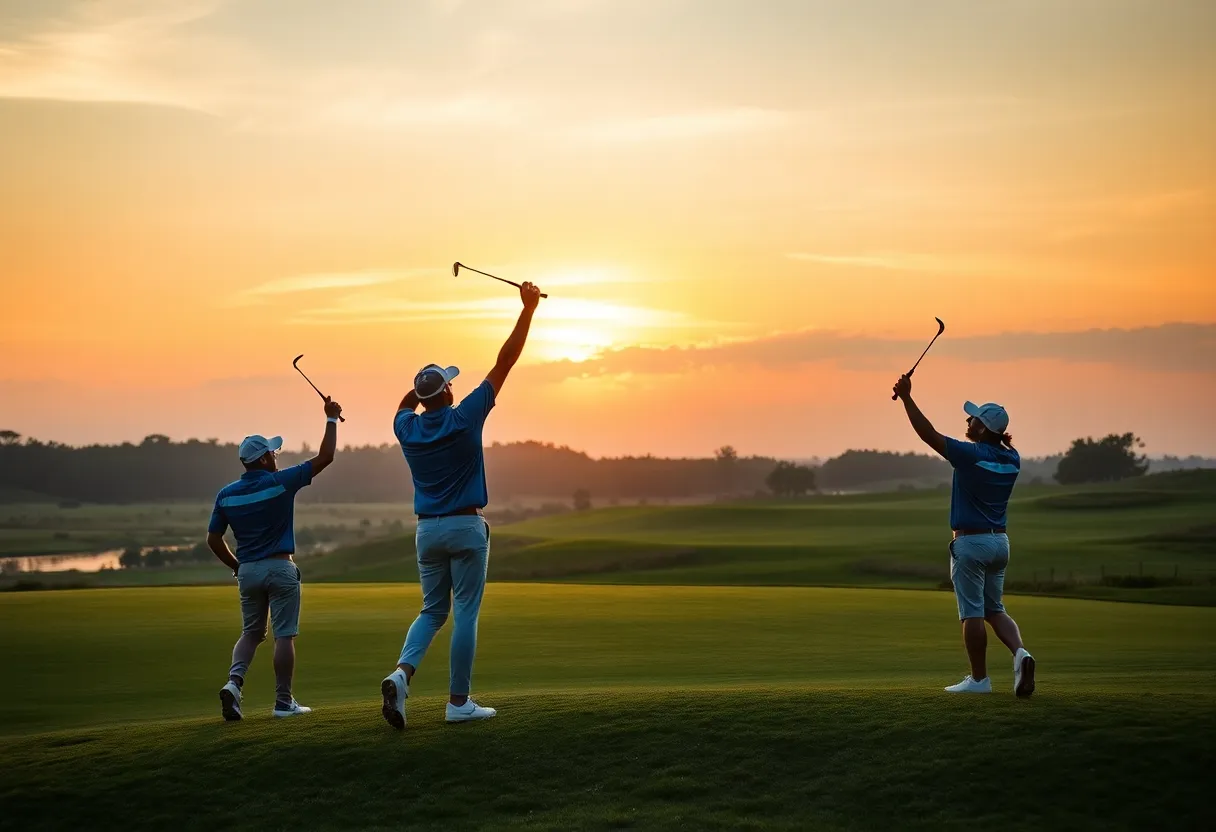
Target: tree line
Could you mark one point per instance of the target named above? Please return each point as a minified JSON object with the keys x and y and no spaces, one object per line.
{"x":160,"y":469}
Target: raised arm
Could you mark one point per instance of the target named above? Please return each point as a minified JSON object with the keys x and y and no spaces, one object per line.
{"x":514,"y":346}
{"x":410,"y":402}
{"x":329,"y":445}
{"x":920,"y":423}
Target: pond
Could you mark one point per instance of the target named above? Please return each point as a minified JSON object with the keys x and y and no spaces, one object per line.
{"x":97,"y":561}
{"x":81,"y":561}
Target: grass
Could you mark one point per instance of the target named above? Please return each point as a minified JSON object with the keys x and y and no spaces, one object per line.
{"x":1151,"y":539}
{"x":642,"y":707}
{"x":618,"y":760}
{"x":48,"y":528}
{"x":1110,"y":542}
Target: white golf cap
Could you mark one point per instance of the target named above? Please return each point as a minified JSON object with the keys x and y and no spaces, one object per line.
{"x":432,"y":378}
{"x":991,"y":415}
{"x":257,"y":446}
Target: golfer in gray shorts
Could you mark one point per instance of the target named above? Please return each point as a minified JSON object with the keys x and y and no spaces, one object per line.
{"x":260,"y":510}
{"x":985,"y":469}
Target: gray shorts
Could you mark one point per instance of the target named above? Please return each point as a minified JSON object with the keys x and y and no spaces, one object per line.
{"x":270,"y":587}
{"x":977,"y":570}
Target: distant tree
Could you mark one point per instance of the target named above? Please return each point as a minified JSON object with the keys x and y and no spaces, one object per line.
{"x":790,"y":480}
{"x":156,"y":558}
{"x":862,"y":469}
{"x":9,"y":437}
{"x":582,"y":500}
{"x":726,"y":454}
{"x":1111,"y":458}
{"x":727,"y":460}
{"x":131,"y":558}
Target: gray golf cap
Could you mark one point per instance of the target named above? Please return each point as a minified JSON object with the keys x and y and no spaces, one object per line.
{"x":431,"y":380}
{"x":257,"y":446}
{"x":991,"y":415}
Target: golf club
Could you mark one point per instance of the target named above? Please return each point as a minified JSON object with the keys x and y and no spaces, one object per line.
{"x":457,"y":266}
{"x":941,"y":327}
{"x":296,"y":364}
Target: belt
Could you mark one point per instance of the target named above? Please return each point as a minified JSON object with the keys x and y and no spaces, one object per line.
{"x":964,"y":532}
{"x":460,"y":512}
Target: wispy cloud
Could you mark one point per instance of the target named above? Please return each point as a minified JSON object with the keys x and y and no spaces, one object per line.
{"x":337,"y":280}
{"x":363,"y":309}
{"x":905,"y":262}
{"x":110,"y":53}
{"x":888,"y":260}
{"x":1141,"y":206}
{"x":390,"y":108}
{"x":1171,"y":347}
{"x":683,"y":125}
{"x":145,"y":52}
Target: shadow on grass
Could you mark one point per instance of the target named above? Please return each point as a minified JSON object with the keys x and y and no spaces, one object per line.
{"x":642,"y":759}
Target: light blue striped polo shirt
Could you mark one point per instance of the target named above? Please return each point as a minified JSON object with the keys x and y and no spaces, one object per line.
{"x":260,"y":508}
{"x":983,"y":481}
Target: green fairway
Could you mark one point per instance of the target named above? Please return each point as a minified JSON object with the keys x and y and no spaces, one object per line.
{"x":1150,"y":540}
{"x":155,"y":653}
{"x":619,"y":706}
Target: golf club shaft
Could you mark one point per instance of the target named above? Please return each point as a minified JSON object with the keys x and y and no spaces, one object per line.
{"x":917,"y":364}
{"x":496,"y":277}
{"x":324,"y":397}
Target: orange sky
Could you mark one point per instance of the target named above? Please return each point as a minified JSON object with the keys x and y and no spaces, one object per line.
{"x":192,"y":193}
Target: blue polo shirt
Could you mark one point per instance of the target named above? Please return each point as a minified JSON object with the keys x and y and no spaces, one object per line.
{"x":983,"y":480}
{"x":444,"y":452}
{"x":260,"y":507}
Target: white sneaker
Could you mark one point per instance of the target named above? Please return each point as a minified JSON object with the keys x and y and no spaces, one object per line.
{"x":395,"y":689}
{"x":294,"y":709}
{"x":230,"y":701}
{"x":1023,"y":673}
{"x":969,"y":685}
{"x":468,"y":712}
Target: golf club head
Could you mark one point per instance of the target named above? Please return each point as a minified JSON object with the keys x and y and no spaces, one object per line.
{"x":296,"y":361}
{"x":456,"y":269}
{"x":941,"y":325}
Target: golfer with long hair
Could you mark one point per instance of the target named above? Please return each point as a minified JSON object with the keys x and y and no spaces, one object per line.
{"x":985,"y":469}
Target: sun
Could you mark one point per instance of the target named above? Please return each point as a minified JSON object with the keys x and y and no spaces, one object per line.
{"x":572,"y":343}
{"x":576,"y":329}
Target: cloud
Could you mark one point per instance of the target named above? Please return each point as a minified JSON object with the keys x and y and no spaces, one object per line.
{"x":366,"y":309}
{"x":887,"y":260}
{"x":1177,"y":347}
{"x":164,"y":54}
{"x":340,"y":280}
{"x":690,"y":125}
{"x":110,"y":53}
{"x":903,"y":262}
{"x":358,"y":105}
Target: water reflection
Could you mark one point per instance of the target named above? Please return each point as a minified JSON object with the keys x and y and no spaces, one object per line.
{"x":84,"y":562}
{"x":97,"y":561}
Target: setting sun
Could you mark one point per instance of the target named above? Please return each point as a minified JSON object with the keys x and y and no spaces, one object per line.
{"x":190,"y":196}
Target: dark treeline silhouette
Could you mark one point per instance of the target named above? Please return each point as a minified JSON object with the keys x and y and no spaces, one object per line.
{"x":855,"y":470}
{"x":159,"y":469}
